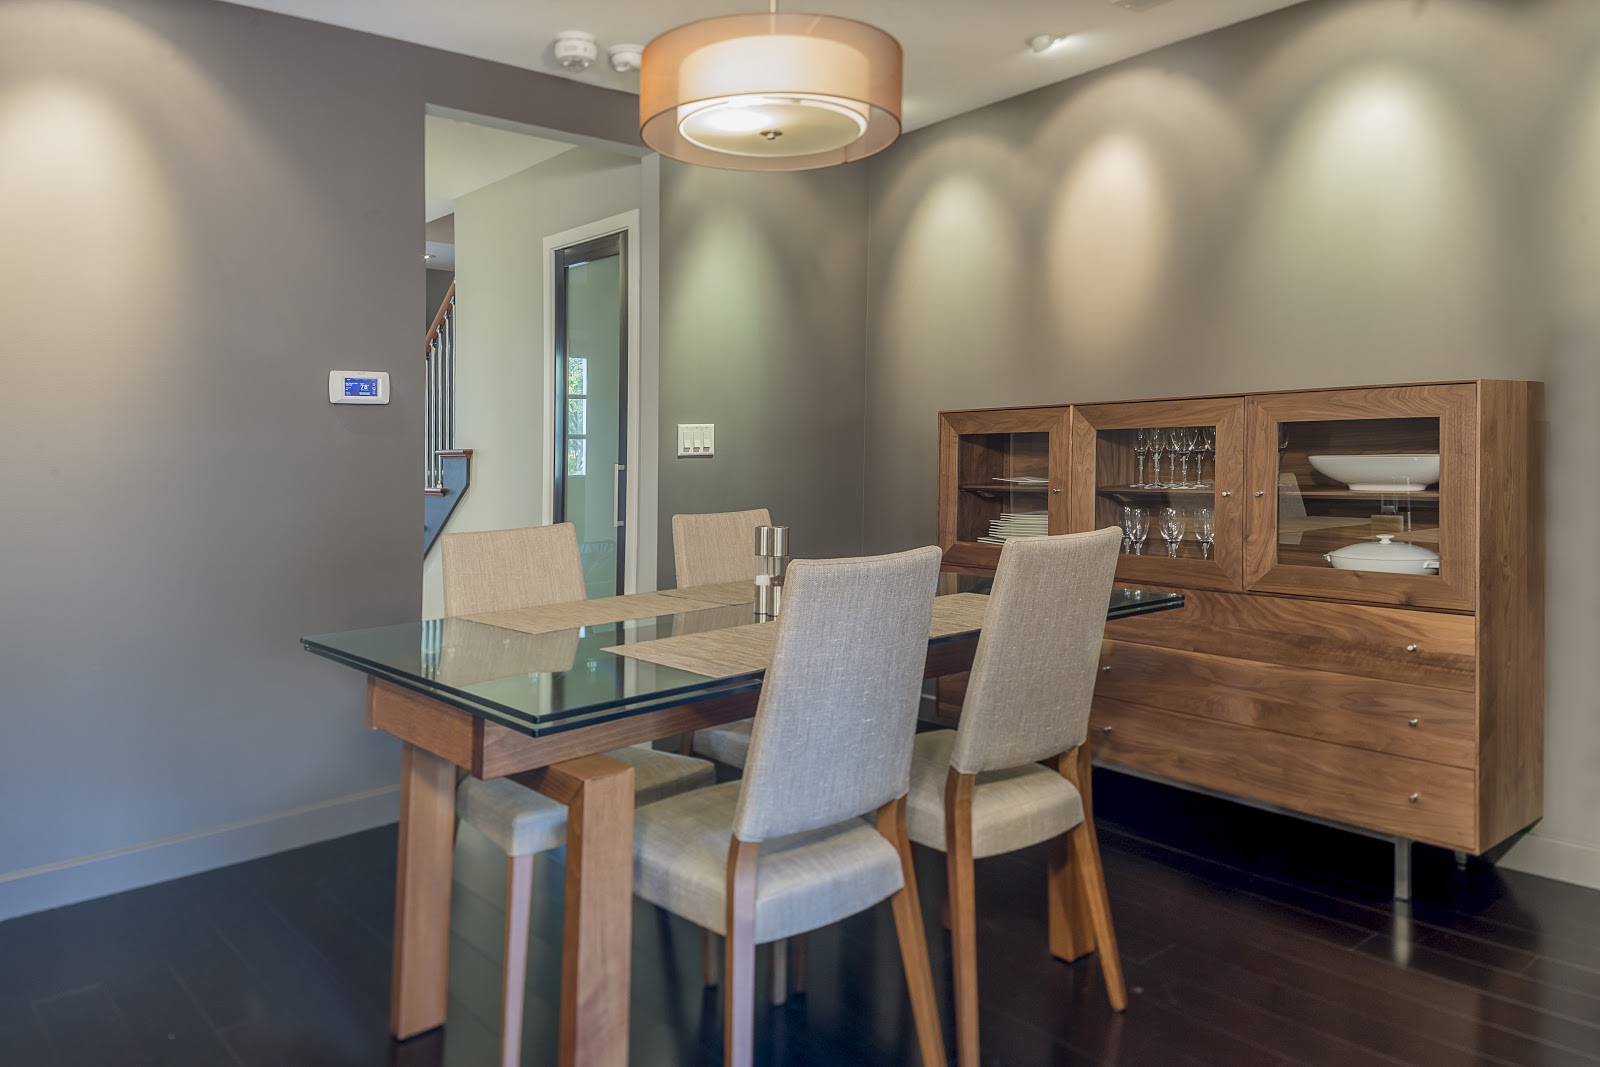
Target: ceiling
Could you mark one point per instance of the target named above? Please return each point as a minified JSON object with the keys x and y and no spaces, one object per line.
{"x":462,"y":157}
{"x":960,"y":54}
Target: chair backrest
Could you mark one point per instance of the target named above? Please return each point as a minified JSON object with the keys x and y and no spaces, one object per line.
{"x":497,"y":570}
{"x":708,"y":549}
{"x":1034,"y":672}
{"x":832,"y":735}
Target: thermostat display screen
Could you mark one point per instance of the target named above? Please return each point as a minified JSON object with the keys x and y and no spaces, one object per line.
{"x":358,"y":387}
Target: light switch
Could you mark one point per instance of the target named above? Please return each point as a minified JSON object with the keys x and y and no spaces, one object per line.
{"x":697,"y":439}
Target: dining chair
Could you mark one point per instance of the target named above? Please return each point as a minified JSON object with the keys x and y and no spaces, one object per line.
{"x":816,"y":830}
{"x":708,"y":550}
{"x":716,"y":548}
{"x":498,"y":570}
{"x":980,"y":790}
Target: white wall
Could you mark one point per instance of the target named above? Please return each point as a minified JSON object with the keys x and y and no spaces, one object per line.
{"x":500,"y":357}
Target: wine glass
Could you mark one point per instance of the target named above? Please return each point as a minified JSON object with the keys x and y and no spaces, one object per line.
{"x":1205,"y":530}
{"x":1173,"y":528}
{"x":1175,"y":439}
{"x":1158,"y":445}
{"x":1135,"y":526}
{"x":1207,"y":444}
{"x":1141,"y":446}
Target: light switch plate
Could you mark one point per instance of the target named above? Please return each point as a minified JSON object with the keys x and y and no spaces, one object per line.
{"x":696,"y":439}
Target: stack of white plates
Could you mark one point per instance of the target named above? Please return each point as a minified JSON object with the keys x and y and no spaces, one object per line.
{"x":1016,"y":524}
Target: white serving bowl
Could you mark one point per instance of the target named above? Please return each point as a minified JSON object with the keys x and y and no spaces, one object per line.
{"x":1403,"y":473}
{"x":1385,"y":555}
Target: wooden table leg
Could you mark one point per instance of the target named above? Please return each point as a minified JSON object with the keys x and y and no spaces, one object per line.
{"x":597,"y":938}
{"x":419,"y":983}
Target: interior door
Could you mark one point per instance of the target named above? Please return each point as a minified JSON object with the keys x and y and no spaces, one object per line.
{"x":591,"y":416}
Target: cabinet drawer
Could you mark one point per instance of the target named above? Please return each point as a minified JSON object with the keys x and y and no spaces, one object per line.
{"x":1371,"y":790}
{"x":1437,"y":725}
{"x":1425,"y":648}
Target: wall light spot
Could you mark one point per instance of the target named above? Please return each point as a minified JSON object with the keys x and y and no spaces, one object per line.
{"x":1108,"y":245}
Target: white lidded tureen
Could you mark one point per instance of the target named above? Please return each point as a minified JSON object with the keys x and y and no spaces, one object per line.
{"x":1385,"y":554}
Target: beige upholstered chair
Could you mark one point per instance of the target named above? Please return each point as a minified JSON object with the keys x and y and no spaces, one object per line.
{"x":495,"y":571}
{"x":710,"y":549}
{"x":790,"y":848}
{"x":979,"y":790}
{"x":707,"y":550}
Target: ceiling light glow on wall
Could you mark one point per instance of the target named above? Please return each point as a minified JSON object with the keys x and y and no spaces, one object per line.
{"x":771,"y":91}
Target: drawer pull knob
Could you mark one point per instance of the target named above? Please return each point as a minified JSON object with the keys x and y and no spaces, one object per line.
{"x":1414,"y":797}
{"x":1107,"y":667}
{"x":1105,"y":729}
{"x":1261,"y":492}
{"x":1411,"y":648}
{"x":1414,"y":722}
{"x":1227,"y":492}
{"x":1055,"y":490}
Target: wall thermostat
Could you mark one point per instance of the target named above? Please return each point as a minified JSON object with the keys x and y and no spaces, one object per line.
{"x":358,"y":387}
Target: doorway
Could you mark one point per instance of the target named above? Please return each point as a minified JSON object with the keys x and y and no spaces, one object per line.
{"x":590,"y":462}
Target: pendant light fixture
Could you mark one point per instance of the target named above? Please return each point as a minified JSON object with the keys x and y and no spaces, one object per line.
{"x":770,"y":91}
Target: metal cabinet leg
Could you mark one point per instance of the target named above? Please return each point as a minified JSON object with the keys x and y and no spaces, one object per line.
{"x":1461,"y":860}
{"x":1402,"y":868}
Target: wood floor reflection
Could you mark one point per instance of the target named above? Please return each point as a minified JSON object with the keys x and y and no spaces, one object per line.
{"x":1248,"y":938}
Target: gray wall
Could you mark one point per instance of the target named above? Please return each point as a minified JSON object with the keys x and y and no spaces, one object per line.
{"x":1346,"y":192}
{"x":763,"y":327}
{"x":218,"y":207}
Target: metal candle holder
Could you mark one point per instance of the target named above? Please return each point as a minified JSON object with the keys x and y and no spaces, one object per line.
{"x":772,"y":558}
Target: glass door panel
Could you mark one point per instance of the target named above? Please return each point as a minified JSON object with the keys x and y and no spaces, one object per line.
{"x":1166,"y":473}
{"x":1364,"y":494}
{"x":1002,"y":476}
{"x":591,"y":413}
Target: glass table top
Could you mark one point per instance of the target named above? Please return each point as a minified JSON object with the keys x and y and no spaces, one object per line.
{"x":543,"y":683}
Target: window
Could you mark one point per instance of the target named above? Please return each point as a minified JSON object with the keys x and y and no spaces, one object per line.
{"x":577,"y":414}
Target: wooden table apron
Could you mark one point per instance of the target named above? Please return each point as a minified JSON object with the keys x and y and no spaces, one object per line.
{"x":598,"y":791}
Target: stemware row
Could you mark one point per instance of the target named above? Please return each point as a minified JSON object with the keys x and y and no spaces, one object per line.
{"x":1178,"y":443}
{"x":1174,"y":524}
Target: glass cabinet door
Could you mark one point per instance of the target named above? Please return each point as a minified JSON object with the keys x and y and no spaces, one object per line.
{"x":1168,"y":473}
{"x":1002,"y":474}
{"x":1364,"y":494}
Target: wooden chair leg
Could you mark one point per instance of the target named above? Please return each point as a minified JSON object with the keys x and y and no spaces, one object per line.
{"x":907,"y":906}
{"x":1084,"y":849}
{"x":799,"y":963}
{"x":708,"y":958}
{"x":963,"y":913}
{"x":513,"y":979}
{"x":739,"y":964}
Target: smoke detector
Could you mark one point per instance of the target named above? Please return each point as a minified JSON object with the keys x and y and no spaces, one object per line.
{"x":625,"y":57}
{"x":575,"y":49}
{"x":1137,"y":5}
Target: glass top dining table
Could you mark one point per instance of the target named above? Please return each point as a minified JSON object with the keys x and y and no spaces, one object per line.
{"x":560,"y":679}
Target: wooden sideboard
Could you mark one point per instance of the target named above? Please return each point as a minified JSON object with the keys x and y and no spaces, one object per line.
{"x":1408,"y":705}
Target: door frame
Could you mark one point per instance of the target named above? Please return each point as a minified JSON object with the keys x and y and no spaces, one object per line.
{"x":641,"y":513}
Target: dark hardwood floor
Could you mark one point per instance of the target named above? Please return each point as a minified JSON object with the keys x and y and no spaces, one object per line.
{"x":1248,"y":938}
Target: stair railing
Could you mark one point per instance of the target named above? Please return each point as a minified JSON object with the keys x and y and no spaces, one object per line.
{"x":439,"y":392}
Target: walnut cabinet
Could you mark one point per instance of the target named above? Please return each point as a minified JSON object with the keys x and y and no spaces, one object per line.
{"x":1364,"y":571}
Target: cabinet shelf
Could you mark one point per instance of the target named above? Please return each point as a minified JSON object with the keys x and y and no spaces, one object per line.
{"x":1140,"y":490}
{"x":1005,"y":488}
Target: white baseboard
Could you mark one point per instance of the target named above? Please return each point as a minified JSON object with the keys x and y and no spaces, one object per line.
{"x":1551,"y":857}
{"x":87,"y":877}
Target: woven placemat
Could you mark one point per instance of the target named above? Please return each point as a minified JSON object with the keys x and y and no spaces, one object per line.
{"x":748,"y":649}
{"x":591,"y":612}
{"x":722,"y":593}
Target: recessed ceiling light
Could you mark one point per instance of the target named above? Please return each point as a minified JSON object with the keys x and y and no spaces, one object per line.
{"x":1043,"y":42}
{"x":427,"y":255}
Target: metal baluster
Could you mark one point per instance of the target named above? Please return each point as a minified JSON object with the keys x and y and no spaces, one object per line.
{"x":450,"y":376}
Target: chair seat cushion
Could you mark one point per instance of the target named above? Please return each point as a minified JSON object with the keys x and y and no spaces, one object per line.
{"x":803,"y":882}
{"x":728,"y":744}
{"x":1011,"y":809}
{"x":522,"y":821}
